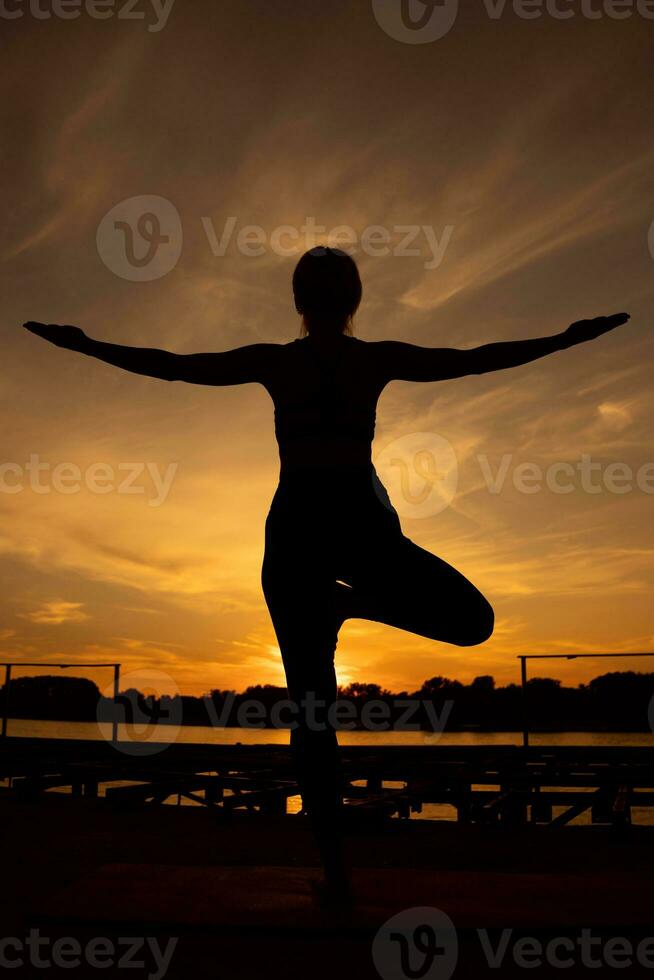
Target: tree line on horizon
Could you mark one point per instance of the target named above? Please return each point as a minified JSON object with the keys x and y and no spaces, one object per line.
{"x":616,"y":701}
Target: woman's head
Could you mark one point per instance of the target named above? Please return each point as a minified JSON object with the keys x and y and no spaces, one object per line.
{"x":327,"y":290}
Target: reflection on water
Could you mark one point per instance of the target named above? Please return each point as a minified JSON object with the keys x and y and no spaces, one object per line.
{"x":276,"y":736}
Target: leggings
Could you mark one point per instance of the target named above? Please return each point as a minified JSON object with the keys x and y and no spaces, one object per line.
{"x":338,"y":552}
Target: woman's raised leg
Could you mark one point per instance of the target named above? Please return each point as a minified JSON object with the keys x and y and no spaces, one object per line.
{"x":398,"y":583}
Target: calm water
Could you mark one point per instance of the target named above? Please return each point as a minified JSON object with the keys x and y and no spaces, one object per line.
{"x":272,"y":736}
{"x":275,"y":736}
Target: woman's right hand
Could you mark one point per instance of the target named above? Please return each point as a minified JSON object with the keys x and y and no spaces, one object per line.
{"x":66,"y":336}
{"x":583,"y":330}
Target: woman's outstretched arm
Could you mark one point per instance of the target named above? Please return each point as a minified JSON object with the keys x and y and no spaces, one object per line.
{"x":232,"y":367}
{"x":408,"y":362}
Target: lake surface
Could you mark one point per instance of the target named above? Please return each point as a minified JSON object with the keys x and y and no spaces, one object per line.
{"x":276,"y":736}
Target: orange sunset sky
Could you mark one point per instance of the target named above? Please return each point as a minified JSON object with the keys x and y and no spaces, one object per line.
{"x":530,"y":139}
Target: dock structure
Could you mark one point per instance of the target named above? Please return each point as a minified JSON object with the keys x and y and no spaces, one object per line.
{"x":85,"y":854}
{"x":548,"y":785}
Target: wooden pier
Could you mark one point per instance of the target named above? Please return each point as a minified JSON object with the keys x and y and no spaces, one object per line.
{"x":231,"y":878}
{"x":483,"y":784}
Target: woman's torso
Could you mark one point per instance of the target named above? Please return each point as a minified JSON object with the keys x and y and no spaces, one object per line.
{"x":325,"y":398}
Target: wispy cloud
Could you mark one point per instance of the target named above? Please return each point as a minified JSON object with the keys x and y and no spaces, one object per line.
{"x":56,"y":612}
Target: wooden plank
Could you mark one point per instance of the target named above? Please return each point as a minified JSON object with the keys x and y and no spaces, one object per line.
{"x":576,"y":810}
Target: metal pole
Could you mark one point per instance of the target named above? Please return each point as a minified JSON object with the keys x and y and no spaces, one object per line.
{"x":5,"y":713}
{"x":114,"y":725}
{"x":525,"y":717}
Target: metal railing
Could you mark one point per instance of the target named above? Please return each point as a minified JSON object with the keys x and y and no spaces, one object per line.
{"x":524,"y":657}
{"x":8,"y":665}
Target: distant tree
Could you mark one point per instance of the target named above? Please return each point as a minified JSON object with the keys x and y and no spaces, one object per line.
{"x":485,"y":683}
{"x":617,"y":701}
{"x":363,"y":692}
{"x":438,"y":687}
{"x":53,"y":697}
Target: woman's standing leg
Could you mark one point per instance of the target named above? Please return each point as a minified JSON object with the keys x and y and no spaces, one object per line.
{"x":299,"y":589}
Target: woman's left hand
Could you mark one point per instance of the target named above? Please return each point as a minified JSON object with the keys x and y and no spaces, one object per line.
{"x":66,"y":336}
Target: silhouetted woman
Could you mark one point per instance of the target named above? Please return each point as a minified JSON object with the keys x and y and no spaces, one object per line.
{"x":334,"y":546}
